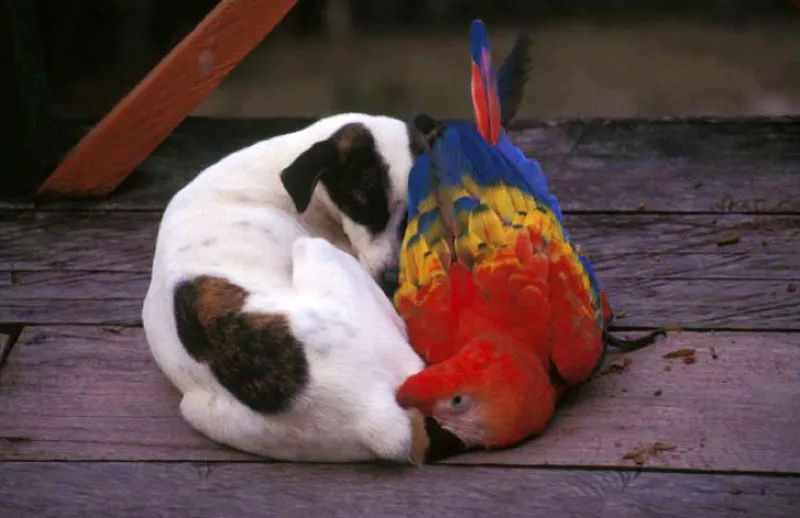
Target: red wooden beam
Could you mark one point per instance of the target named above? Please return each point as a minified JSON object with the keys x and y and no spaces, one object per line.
{"x":148,"y":114}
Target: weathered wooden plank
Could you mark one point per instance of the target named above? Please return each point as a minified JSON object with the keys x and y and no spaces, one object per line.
{"x":660,"y":269}
{"x":645,"y":245}
{"x":103,"y":378}
{"x":109,"y":490}
{"x":674,"y":165}
{"x":80,"y":297}
{"x":701,"y":165}
{"x":95,"y":394}
{"x":110,"y":151}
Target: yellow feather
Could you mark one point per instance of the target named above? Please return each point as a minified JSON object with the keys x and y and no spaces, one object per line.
{"x":499,"y":198}
{"x":428,"y":204}
{"x":487,"y":225}
{"x":405,"y":291}
{"x":442,"y":249}
{"x":471,"y":186}
{"x":521,"y":218}
{"x":522,"y":202}
{"x":467,"y":245}
{"x":430,"y":267}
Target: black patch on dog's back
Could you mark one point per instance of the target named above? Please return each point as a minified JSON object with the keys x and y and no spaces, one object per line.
{"x":254,"y":356}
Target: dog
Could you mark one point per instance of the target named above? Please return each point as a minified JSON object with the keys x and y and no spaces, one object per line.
{"x":264,"y":307}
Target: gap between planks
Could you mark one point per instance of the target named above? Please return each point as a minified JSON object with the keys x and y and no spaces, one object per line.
{"x":90,"y":393}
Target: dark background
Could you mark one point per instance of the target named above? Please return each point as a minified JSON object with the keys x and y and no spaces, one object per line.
{"x":613,"y":58}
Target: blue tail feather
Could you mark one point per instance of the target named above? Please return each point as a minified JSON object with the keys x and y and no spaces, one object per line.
{"x":478,"y":40}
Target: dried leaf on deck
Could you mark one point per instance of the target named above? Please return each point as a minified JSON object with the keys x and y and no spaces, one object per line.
{"x":618,"y":367}
{"x":641,"y":454}
{"x":680,"y":353}
{"x":730,"y":239}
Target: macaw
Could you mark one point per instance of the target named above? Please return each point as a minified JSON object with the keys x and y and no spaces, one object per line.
{"x":498,"y":302}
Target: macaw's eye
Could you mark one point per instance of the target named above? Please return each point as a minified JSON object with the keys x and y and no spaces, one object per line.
{"x":460,"y":402}
{"x":453,"y":405}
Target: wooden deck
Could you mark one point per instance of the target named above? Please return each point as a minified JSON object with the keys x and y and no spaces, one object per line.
{"x":693,"y":224}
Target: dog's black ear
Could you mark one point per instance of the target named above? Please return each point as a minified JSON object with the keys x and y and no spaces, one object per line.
{"x":424,"y":130}
{"x":302,"y":175}
{"x":351,"y":169}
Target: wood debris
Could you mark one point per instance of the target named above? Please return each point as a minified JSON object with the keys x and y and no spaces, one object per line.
{"x":641,"y":454}
{"x":683,"y":352}
{"x":621,"y":314}
{"x":641,"y":206}
{"x":791,"y":287}
{"x":618,"y":367}
{"x":730,"y":239}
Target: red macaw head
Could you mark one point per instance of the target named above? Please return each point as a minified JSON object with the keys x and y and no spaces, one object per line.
{"x":491,"y":394}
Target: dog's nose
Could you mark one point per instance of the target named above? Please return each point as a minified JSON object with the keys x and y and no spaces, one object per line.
{"x":388,"y":281}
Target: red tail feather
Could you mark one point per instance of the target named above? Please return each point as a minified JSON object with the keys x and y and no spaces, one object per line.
{"x":485,"y":101}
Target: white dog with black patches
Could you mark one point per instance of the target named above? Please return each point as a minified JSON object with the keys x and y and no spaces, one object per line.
{"x":263,"y":307}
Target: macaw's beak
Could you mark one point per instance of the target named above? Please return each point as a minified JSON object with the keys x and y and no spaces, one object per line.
{"x":443,"y":443}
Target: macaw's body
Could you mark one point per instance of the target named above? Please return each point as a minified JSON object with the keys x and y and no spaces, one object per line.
{"x":497,"y":300}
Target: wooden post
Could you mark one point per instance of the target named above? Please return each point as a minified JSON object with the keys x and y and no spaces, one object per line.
{"x":149,"y":113}
{"x":24,"y":154}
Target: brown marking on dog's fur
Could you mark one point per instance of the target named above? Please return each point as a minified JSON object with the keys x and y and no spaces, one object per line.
{"x":216,"y":296}
{"x":253,"y":355}
{"x":352,"y":136}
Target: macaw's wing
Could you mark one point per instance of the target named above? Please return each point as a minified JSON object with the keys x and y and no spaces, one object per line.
{"x":488,"y":212}
{"x":535,"y":285}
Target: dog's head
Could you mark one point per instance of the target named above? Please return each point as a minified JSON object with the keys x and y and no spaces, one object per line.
{"x":363,"y":167}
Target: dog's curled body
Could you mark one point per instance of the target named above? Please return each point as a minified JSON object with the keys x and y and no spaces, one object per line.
{"x":263,"y":309}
